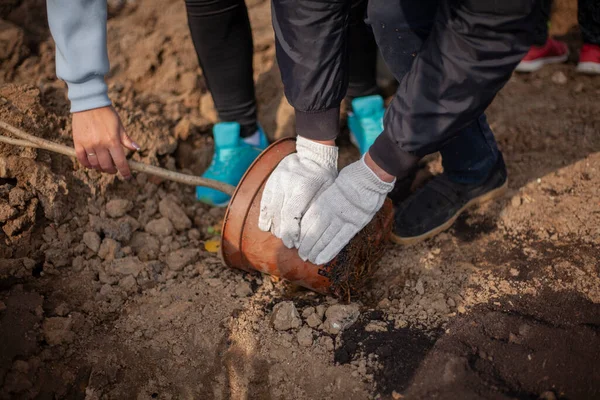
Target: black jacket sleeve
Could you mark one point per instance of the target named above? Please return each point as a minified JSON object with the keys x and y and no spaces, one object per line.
{"x":311,"y":48}
{"x":468,"y":57}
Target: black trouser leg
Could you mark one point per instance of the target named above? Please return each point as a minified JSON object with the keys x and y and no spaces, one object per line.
{"x":589,"y":20}
{"x":540,"y":33}
{"x":222,"y":37}
{"x":453,"y":58}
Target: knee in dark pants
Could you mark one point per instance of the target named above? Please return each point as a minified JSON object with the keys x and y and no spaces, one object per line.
{"x":206,"y":8}
{"x":504,"y":7}
{"x":400,"y":28}
{"x":403,"y":16}
{"x":493,"y":19}
{"x":358,"y":12}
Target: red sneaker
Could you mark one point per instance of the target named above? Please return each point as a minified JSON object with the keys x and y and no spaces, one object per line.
{"x":589,"y":59}
{"x":552,"y":52}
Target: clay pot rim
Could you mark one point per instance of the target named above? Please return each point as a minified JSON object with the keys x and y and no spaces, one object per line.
{"x":246,"y":202}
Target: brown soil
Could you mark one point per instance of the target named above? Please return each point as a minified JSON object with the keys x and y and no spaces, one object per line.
{"x":106,"y":291}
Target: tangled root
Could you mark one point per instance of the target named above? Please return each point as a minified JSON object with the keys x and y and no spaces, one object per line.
{"x":357,"y":262}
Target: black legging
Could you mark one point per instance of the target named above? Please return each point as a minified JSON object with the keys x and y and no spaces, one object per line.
{"x":362,"y":71}
{"x":222,"y":37}
{"x":588,"y":13}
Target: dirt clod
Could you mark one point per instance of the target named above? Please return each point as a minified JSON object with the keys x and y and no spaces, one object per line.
{"x":171,"y":210}
{"x":419,"y":287}
{"x":243,"y":289}
{"x":305,"y":336}
{"x":117,"y":208}
{"x":19,"y":197}
{"x":62,"y":310}
{"x":340,"y":317}
{"x":160,"y":227}
{"x":117,"y":229}
{"x":145,"y":246}
{"x":92,"y":241}
{"x":57,"y":330}
{"x":285,"y":316}
{"x":6,"y":211}
{"x":128,"y":283}
{"x":126,"y":266}
{"x":314,"y":320}
{"x":109,"y":249}
{"x":180,"y":259}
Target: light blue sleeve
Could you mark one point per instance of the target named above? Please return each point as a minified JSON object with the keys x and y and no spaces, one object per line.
{"x":79,"y":31}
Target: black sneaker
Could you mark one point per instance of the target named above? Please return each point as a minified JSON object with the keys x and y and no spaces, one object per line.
{"x":434,"y":208}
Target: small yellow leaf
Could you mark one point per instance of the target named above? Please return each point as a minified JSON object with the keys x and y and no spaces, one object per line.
{"x":212,"y":246}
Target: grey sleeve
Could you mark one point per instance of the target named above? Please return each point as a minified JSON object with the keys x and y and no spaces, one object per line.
{"x":79,"y":31}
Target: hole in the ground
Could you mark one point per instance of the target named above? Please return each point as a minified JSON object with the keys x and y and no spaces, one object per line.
{"x":8,"y":181}
{"x":37,"y":269}
{"x":399,"y":351}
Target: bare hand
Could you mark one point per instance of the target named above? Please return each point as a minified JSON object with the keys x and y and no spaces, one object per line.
{"x":99,"y":138}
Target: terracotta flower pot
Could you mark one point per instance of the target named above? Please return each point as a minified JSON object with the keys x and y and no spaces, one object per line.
{"x":246,"y":247}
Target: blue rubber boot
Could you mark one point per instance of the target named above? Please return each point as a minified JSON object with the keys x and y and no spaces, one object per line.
{"x":365,"y":122}
{"x":231,"y":160}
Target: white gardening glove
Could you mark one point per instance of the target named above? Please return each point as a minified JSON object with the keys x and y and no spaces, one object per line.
{"x":293,"y":185}
{"x":342,"y":211}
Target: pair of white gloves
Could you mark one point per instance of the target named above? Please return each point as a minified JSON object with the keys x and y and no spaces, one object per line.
{"x":309,"y":206}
